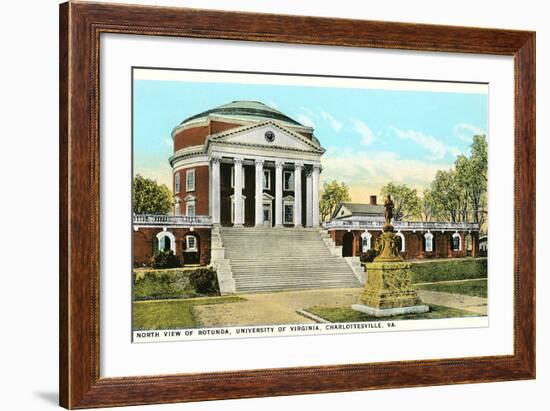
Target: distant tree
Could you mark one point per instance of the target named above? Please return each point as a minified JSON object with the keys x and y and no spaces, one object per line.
{"x":475,"y":178}
{"x":149,"y":197}
{"x":405,"y":200}
{"x":428,"y":205}
{"x":332,"y":195}
{"x":447,"y":197}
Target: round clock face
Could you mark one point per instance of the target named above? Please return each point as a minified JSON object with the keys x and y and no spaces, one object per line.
{"x":269,"y":136}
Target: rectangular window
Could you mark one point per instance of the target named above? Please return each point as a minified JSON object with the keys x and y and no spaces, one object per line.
{"x":190,"y":209}
{"x":267,"y":180}
{"x":190,"y":180}
{"x":177,"y":183}
{"x":233,"y":177}
{"x":289,"y":213}
{"x":288,"y":179}
{"x":191,"y":243}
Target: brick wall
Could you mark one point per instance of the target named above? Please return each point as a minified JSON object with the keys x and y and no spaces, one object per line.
{"x":414,"y":244}
{"x":144,"y":244}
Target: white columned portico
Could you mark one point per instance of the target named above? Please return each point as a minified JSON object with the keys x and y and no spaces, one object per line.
{"x":315,"y":194}
{"x":298,"y":194}
{"x":215,"y":197}
{"x":258,"y":196}
{"x":238,"y":197}
{"x":309,"y":207}
{"x":278,"y":193}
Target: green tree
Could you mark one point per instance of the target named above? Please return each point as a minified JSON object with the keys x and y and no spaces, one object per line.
{"x":447,"y":196}
{"x":405,"y":200}
{"x":332,"y":195}
{"x":149,"y":197}
{"x":460,"y":194}
{"x":462,"y":186}
{"x":428,"y":205}
{"x":476,"y":178}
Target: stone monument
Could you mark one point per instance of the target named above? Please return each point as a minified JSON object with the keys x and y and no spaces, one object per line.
{"x":388,"y":288}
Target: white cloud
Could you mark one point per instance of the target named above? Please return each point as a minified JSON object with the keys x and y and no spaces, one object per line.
{"x":365,"y":173}
{"x":432,"y":144}
{"x":272,"y":104}
{"x":465,"y":132}
{"x":169,"y":143}
{"x":305,"y":120}
{"x":367,"y":136}
{"x":334,"y":124}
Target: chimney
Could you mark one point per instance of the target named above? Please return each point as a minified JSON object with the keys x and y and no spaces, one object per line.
{"x":373,"y":200}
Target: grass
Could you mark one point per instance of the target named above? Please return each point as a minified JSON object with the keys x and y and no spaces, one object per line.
{"x":475,"y":288}
{"x":429,"y":271}
{"x":347,"y":315}
{"x":159,"y":315}
{"x":158,"y":284}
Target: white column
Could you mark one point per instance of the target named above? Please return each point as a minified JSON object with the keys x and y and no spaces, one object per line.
{"x":309,"y":207}
{"x":315,"y":194}
{"x":258,"y":196}
{"x":215,"y":188}
{"x":297,"y":194}
{"x":278,"y":194}
{"x":238,"y":192}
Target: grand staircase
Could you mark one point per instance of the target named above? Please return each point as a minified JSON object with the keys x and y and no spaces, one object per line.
{"x":269,"y":259}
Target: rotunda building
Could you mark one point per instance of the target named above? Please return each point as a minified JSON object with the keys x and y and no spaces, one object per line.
{"x":246,"y":164}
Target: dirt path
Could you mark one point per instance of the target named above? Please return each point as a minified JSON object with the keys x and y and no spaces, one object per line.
{"x":460,"y":301}
{"x":280,"y":307}
{"x":273,"y":308}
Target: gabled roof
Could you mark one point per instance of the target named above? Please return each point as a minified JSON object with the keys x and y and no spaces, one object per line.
{"x":358,"y":209}
{"x":231,"y":137}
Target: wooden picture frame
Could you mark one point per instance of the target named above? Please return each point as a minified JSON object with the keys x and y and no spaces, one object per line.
{"x":80,"y":27}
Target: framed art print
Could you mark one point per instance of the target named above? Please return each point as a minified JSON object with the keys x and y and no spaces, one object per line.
{"x":256,"y":205}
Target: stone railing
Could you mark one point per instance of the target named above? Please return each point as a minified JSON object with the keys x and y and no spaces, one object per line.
{"x":399,"y":225}
{"x":172,"y":220}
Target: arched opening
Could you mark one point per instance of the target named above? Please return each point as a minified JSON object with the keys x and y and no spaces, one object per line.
{"x":166,"y":241}
{"x":366,"y":241}
{"x":400,"y":241}
{"x":347,"y":245}
{"x":191,"y":248}
{"x":428,"y":242}
{"x":469,"y":243}
{"x":456,"y":242}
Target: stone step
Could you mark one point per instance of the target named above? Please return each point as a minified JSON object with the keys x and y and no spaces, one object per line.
{"x":266,"y":259}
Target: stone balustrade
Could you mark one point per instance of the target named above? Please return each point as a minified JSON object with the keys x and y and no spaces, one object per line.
{"x":399,"y":225}
{"x":154,"y":220}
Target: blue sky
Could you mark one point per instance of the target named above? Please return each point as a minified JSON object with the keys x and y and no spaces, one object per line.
{"x":372,"y":136}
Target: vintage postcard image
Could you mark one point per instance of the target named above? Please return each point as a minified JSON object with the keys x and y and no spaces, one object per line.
{"x":292,"y":204}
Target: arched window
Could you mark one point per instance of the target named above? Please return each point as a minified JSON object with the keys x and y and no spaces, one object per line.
{"x":456,"y":243}
{"x":428,"y":242}
{"x":166,"y":241}
{"x":366,"y":241}
{"x":400,"y":241}
{"x":469,"y":242}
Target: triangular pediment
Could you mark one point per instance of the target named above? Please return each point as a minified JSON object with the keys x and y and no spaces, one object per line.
{"x":266,"y":134}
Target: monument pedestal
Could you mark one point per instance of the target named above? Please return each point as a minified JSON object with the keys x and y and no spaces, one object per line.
{"x":388,"y":290}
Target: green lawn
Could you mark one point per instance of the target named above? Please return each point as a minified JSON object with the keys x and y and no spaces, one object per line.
{"x":158,"y":315}
{"x":476,"y":288}
{"x":347,"y":315}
